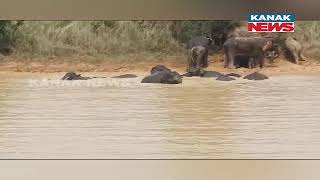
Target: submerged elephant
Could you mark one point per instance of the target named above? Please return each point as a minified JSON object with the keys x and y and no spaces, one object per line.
{"x":126,"y":76}
{"x":163,"y":78}
{"x":293,"y":50}
{"x":234,"y":75}
{"x":160,"y":68}
{"x":225,"y":78}
{"x":256,"y":76}
{"x":163,"y":75}
{"x":252,"y":49}
{"x":220,"y":76}
{"x":74,"y":76}
{"x":205,"y":74}
{"x":208,"y":74}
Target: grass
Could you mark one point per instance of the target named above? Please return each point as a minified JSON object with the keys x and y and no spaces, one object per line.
{"x":57,"y":38}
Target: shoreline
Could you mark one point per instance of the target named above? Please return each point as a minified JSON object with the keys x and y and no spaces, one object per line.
{"x":143,"y":65}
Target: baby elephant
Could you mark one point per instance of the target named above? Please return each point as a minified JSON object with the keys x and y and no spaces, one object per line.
{"x":163,"y":75}
{"x":294,"y":49}
{"x":197,"y":60}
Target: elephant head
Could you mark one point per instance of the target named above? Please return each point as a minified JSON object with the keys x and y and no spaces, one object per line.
{"x":171,"y":78}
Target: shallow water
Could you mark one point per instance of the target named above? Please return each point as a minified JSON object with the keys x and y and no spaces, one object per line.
{"x":121,"y":118}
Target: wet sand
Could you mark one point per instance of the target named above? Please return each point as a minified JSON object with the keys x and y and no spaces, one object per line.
{"x":142,"y":65}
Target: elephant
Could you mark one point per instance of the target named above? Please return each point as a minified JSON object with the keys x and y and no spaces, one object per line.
{"x":256,"y":76}
{"x":293,"y":50}
{"x":125,"y":76}
{"x":204,"y":74}
{"x":225,"y":78}
{"x":208,"y":74}
{"x":198,"y":52}
{"x":74,"y":76}
{"x":161,"y":68}
{"x":204,"y":41}
{"x":234,"y":75}
{"x":197,"y":60}
{"x":163,"y":78}
{"x":250,"y":49}
{"x":219,"y":39}
{"x":162,"y":74}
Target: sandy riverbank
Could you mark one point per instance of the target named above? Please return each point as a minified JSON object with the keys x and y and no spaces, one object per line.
{"x":141,"y":66}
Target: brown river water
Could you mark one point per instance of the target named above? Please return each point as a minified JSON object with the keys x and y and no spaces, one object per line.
{"x":121,"y":118}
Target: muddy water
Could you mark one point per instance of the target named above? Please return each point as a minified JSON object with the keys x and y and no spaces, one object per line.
{"x":121,"y":118}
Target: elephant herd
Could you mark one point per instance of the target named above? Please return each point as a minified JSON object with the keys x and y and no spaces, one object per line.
{"x":249,"y":52}
{"x":163,"y":75}
{"x":159,"y":74}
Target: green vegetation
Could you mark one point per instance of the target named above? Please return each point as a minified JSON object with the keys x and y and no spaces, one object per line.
{"x":95,"y":38}
{"x":113,"y":38}
{"x":8,"y":29}
{"x":55,"y":38}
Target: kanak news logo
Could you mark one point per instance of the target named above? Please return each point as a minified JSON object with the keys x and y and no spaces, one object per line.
{"x":271,"y":23}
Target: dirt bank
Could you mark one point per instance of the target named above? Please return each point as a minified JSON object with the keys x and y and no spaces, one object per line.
{"x":141,"y":65}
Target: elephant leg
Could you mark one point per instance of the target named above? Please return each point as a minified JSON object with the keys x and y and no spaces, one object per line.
{"x":226,"y":61}
{"x":259,"y":60}
{"x":205,"y":60}
{"x":188,"y":68}
{"x":251,"y":63}
{"x":262,"y":63}
{"x":256,"y":63}
{"x":236,"y":62}
{"x":189,"y":63}
{"x":231,"y":58}
{"x":302,"y":57}
{"x":296,"y":58}
{"x":199,"y":61}
{"x":226,"y":58}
